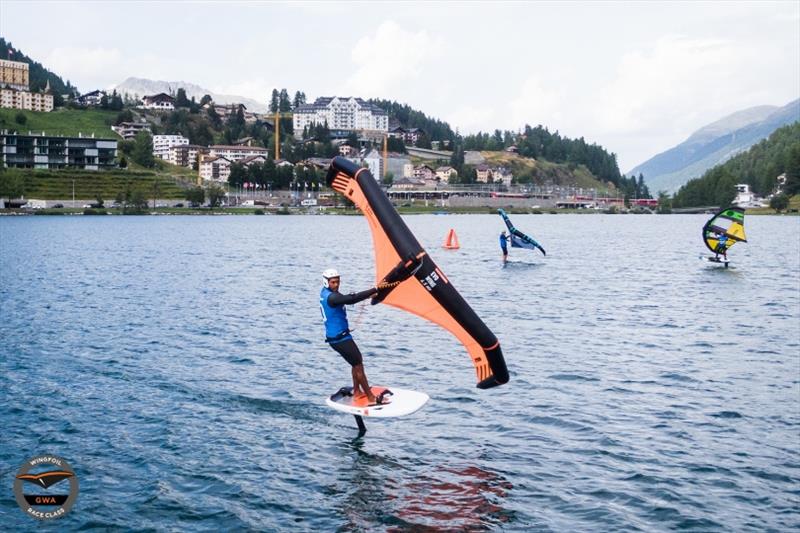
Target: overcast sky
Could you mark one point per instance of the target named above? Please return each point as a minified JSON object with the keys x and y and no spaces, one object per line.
{"x":637,"y":78}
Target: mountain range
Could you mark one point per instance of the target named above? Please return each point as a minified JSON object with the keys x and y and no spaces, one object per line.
{"x":138,"y":87}
{"x":714,"y":144}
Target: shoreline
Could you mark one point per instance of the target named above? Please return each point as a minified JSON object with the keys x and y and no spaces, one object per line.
{"x":330,"y":211}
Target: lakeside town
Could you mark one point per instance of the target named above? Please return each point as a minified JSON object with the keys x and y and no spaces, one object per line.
{"x":421,"y":172}
{"x":446,"y":266}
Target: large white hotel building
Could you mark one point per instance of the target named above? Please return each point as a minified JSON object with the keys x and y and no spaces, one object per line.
{"x":341,"y":113}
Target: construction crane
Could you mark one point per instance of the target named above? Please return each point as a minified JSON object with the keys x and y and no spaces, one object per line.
{"x":278,"y":116}
{"x":199,"y":161}
{"x":385,"y":157}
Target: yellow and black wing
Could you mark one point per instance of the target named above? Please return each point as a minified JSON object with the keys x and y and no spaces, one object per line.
{"x":728,"y":222}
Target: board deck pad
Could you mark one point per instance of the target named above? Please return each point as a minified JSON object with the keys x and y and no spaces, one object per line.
{"x":401,"y":402}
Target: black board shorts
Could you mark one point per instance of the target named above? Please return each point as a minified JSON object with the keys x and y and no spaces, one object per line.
{"x":349,"y":350}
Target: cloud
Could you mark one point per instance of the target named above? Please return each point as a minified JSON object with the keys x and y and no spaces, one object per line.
{"x":660,"y":94}
{"x":390,"y":56}
{"x":99,"y":67}
{"x":471,"y":119}
{"x":676,"y":79}
{"x":535,"y":104}
{"x":256,"y":88}
{"x":82,"y":61}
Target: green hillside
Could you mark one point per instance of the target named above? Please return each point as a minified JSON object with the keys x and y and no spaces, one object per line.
{"x":61,"y":122}
{"x":528,"y":170}
{"x":436,"y":129}
{"x":57,"y":185}
{"x":759,"y":167}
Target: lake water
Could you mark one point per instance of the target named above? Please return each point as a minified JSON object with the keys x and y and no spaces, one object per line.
{"x":178,"y":364}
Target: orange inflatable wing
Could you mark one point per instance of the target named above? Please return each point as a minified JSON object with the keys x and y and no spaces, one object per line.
{"x":423,"y":288}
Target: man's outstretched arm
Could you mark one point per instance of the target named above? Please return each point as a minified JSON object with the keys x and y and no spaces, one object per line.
{"x":336,"y":299}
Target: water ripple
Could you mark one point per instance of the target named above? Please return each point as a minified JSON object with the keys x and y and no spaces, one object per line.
{"x":178,"y":363}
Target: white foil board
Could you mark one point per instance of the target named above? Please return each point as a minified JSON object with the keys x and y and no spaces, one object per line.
{"x":402,"y":402}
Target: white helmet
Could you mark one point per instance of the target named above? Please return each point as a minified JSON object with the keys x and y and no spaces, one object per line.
{"x":329,"y":274}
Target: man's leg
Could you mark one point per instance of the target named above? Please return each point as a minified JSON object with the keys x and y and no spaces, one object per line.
{"x":350,"y":352}
{"x":361,"y":376}
{"x":355,"y":381}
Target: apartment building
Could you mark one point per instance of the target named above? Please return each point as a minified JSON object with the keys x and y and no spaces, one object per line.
{"x":483,"y":173}
{"x":14,"y":89}
{"x":424,"y":172}
{"x":445,"y":173}
{"x":14,"y":75}
{"x":502,"y":175}
{"x":43,"y":151}
{"x":409,"y":136}
{"x":128,"y":130}
{"x":215,"y":168}
{"x":185,"y":155}
{"x":14,"y":99}
{"x":162,"y":144}
{"x":236,"y":152}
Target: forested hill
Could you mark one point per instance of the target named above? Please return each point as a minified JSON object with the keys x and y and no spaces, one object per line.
{"x":435,"y":129}
{"x":38,"y":74}
{"x":714,"y":144}
{"x":539,"y":143}
{"x":536,"y":142}
{"x":759,"y":167}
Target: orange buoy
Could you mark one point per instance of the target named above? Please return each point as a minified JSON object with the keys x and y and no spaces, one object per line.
{"x":451,"y":242}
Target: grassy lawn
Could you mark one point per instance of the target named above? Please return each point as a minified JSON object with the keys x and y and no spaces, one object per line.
{"x":562,"y":174}
{"x":149,"y":211}
{"x":58,"y":184}
{"x":793,"y":209}
{"x":68,"y":122}
{"x":167,"y":169}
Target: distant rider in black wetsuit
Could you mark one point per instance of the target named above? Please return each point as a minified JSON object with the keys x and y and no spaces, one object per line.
{"x":503,"y":245}
{"x":337,"y":329}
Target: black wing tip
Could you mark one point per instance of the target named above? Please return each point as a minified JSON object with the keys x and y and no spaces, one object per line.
{"x":340,"y":164}
{"x":492,"y":381}
{"x":499,"y":375}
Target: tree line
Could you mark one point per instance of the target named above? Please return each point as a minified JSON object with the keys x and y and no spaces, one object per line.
{"x":539,"y":143}
{"x":280,"y":102}
{"x":758,"y":167}
{"x":435,"y":129}
{"x":277,"y":177}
